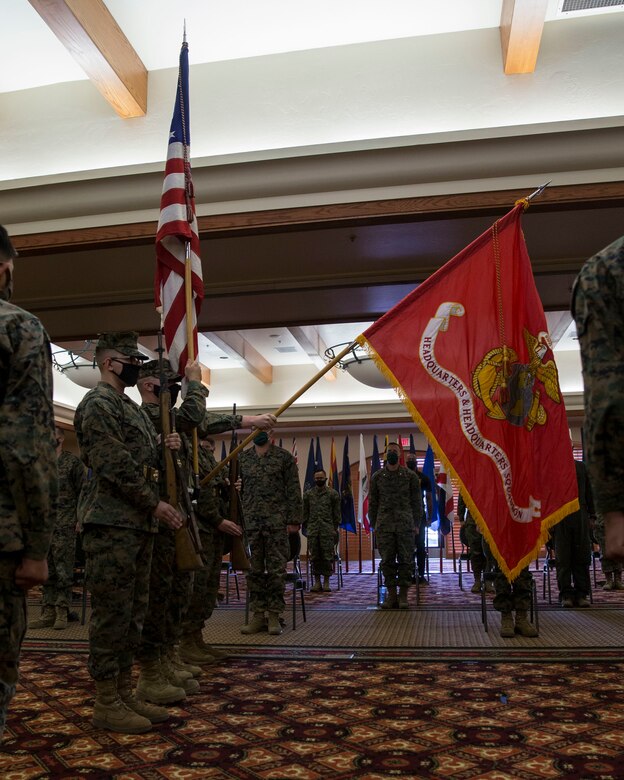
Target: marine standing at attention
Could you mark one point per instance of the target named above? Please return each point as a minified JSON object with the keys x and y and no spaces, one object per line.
{"x":119,"y":510}
{"x":28,"y":469}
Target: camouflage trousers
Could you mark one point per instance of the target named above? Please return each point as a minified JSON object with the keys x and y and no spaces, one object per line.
{"x":321,"y":551}
{"x":118,"y":564}
{"x":266,"y":580}
{"x":515,"y":595}
{"x":606,"y":564}
{"x":57,"y":590}
{"x":12,"y":630}
{"x":206,"y":581}
{"x":475,"y":544}
{"x":169,"y":595}
{"x":397,"y":556}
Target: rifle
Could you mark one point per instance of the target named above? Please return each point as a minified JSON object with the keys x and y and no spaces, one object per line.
{"x":239,"y":552}
{"x":187,"y":541}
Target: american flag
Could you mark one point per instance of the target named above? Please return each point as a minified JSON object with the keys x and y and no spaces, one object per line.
{"x":177,"y":227}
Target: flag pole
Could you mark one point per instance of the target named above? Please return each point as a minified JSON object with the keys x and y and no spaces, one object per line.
{"x":327,"y":367}
{"x":190,"y":340}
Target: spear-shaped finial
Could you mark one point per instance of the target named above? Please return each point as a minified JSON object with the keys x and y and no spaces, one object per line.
{"x":526,"y":201}
{"x":184,"y":32}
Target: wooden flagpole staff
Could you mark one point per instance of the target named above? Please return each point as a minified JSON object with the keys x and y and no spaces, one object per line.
{"x":282,"y":409}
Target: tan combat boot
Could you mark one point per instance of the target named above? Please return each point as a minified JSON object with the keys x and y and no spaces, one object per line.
{"x":275,"y":627}
{"x":617,"y":581}
{"x":317,"y":587}
{"x":109,"y":712}
{"x":403,"y":597}
{"x":257,"y":624}
{"x":390,"y":602}
{"x":154,"y":687}
{"x":48,"y":616}
{"x":523,"y":627}
{"x":179,"y":664}
{"x":191,"y":653}
{"x":184,"y":680}
{"x":60,"y":622}
{"x":476,"y":588}
{"x":507,"y":629}
{"x":610,"y":583}
{"x":326,"y":586}
{"x":150,"y":711}
{"x":215,"y":652}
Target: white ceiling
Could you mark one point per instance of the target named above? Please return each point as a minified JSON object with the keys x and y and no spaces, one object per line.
{"x":232,"y":30}
{"x":442,"y":84}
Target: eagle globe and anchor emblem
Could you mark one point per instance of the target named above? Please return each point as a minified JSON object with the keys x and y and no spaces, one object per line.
{"x":508,"y":387}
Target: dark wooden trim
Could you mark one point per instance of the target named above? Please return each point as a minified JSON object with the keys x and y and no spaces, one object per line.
{"x":426,"y":207}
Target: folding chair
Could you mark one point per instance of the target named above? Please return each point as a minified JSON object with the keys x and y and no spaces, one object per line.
{"x":226,"y":566}
{"x":337,"y":567}
{"x":295,"y":576}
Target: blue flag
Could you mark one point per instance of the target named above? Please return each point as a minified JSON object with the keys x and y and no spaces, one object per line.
{"x":319,"y":456}
{"x":375,"y":462}
{"x":412,"y":448}
{"x":429,"y":471}
{"x":347,"y":507}
{"x":223,"y":450}
{"x":310,"y":469}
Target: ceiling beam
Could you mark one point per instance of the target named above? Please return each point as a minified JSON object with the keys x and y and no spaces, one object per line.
{"x":237,"y":347}
{"x":94,"y":39}
{"x":521,"y":26}
{"x":309,"y":339}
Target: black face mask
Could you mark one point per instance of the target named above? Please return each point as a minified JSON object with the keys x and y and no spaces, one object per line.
{"x":261,"y":438}
{"x":320,"y":482}
{"x":174,"y":390}
{"x":411,"y":464}
{"x":392,"y":458}
{"x":129,"y":373}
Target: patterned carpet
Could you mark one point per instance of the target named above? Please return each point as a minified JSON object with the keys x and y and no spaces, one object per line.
{"x":354,"y":692}
{"x":269,"y":720}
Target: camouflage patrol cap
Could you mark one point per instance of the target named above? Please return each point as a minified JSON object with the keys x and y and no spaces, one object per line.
{"x":121,"y":341}
{"x":152,"y":368}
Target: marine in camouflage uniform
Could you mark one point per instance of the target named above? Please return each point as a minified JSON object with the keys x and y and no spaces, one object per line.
{"x":474,"y":540}
{"x":119,"y":511}
{"x":610,"y":568}
{"x":395,"y":513}
{"x":28,"y":469}
{"x":214,"y":529}
{"x":411,"y":463}
{"x":598,"y":309}
{"x":512,"y":596}
{"x":321,"y":519}
{"x":57,"y":590}
{"x":211,"y":511}
{"x":272,"y":503}
{"x":169,"y":588}
{"x":573,"y":547}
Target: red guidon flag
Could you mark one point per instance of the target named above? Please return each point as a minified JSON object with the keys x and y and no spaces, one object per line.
{"x":469,"y":353}
{"x":177,"y":232}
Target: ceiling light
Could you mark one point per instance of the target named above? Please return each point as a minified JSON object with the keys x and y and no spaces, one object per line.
{"x":359,"y":365}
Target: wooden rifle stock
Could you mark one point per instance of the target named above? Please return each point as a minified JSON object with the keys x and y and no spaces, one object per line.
{"x":239,"y":554}
{"x":187,"y":543}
